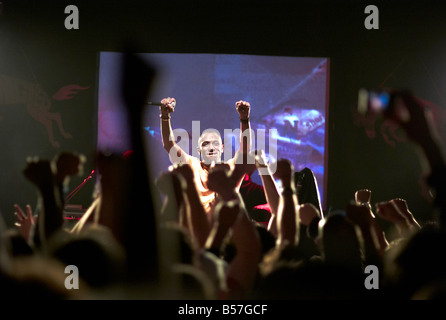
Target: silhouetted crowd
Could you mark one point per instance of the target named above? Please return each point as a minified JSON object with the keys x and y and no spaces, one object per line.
{"x":149,"y":237}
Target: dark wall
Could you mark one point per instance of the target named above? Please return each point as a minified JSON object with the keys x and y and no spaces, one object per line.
{"x":406,"y":51}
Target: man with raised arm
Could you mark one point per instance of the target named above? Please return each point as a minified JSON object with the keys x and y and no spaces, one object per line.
{"x":210,"y":148}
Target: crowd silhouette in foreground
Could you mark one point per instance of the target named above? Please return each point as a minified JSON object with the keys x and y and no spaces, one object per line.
{"x":150,"y":238}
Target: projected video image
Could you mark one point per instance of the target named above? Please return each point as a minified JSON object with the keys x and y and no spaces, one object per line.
{"x":288,"y":97}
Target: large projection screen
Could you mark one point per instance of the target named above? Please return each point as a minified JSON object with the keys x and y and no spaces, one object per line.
{"x":288,"y":97}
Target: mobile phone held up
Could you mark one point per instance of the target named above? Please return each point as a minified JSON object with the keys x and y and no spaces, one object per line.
{"x":377,"y":102}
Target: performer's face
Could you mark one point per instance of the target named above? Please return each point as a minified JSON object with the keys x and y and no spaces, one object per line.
{"x":211,"y":148}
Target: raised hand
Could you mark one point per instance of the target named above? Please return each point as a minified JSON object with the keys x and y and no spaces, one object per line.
{"x":220,"y":181}
{"x":307,"y":213}
{"x":410,"y":114}
{"x":417,"y":121}
{"x":402,"y":205}
{"x":397,"y":211}
{"x":243,"y":108}
{"x":387,"y":210}
{"x":25,"y":221}
{"x":260,"y":157}
{"x":287,"y":215}
{"x":254,"y":160}
{"x":68,"y":164}
{"x":168,"y":106}
{"x":284,"y":172}
{"x":363,"y":196}
{"x":185,"y":171}
{"x":39,"y":172}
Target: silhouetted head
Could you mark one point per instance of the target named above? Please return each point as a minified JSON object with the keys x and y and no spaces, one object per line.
{"x":339,"y":242}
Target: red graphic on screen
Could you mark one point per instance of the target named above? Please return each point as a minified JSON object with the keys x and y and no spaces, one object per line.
{"x":37,"y":102}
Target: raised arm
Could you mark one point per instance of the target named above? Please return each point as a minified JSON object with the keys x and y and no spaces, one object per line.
{"x":361,"y":215}
{"x":50,"y":217}
{"x":226,"y":211}
{"x":25,"y":222}
{"x":197,"y":219}
{"x":417,"y":121}
{"x":270,"y":187}
{"x":176,"y":154}
{"x":242,"y":270}
{"x":363,"y":196}
{"x":397,"y":212}
{"x":287,"y":215}
{"x":174,"y":207}
{"x":243,"y":108}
